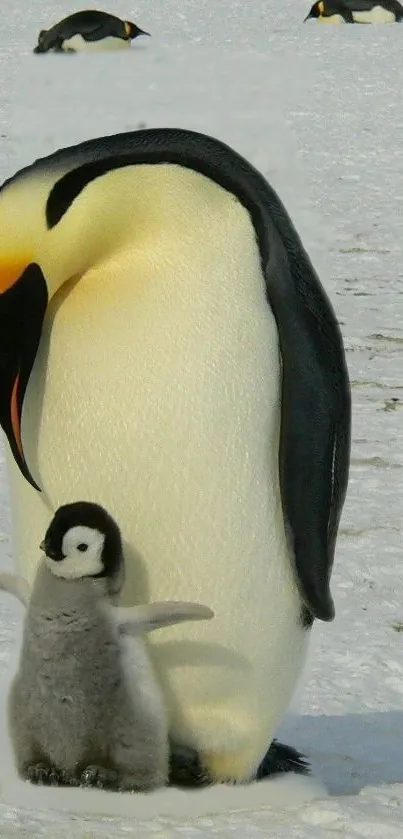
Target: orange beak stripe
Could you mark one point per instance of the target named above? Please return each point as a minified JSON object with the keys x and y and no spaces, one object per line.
{"x":11,"y":271}
{"x":15,"y":417}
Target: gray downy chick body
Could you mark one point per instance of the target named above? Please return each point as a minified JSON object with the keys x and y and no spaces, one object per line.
{"x":85,"y":706}
{"x":75,"y":708}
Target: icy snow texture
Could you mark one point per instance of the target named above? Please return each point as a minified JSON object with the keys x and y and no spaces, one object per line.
{"x":318,"y":110}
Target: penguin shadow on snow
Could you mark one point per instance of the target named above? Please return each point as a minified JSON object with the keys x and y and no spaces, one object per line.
{"x":354,"y":751}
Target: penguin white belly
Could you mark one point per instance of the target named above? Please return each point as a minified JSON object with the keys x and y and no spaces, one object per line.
{"x":78,"y":44}
{"x":332,"y":19}
{"x":156,"y":393}
{"x":375,"y":15}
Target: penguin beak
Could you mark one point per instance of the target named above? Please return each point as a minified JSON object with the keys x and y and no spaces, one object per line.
{"x":23,"y":303}
{"x":132,"y":31}
{"x":315,"y":8}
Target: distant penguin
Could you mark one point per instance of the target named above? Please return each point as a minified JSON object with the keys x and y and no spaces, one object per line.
{"x":166,"y":344}
{"x":356,"y":11}
{"x":88,"y":31}
{"x":85,"y":707}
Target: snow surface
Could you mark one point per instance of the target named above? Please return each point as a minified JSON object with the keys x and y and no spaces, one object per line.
{"x":318,"y":110}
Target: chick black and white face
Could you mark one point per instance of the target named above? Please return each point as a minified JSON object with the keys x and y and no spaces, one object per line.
{"x":80,"y":554}
{"x":81,"y":541}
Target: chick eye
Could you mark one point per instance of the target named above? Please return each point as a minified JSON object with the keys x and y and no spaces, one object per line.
{"x":82,"y":547}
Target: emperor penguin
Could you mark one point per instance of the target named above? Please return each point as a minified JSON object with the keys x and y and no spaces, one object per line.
{"x":88,"y":31}
{"x":85,"y":707}
{"x":166,"y":346}
{"x":357,"y":11}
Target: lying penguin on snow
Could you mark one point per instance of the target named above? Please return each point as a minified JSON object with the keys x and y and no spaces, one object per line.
{"x":89,"y":31}
{"x":85,"y":707}
{"x":356,"y":11}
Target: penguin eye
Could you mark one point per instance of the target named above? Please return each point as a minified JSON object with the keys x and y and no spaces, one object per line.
{"x":82,"y":547}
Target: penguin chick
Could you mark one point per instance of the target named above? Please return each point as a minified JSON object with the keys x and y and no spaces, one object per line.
{"x":85,"y":707}
{"x":90,"y":30}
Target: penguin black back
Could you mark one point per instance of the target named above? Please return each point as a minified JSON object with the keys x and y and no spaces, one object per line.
{"x":381,"y":10}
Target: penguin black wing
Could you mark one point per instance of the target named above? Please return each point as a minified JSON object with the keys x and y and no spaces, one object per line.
{"x":316,"y":403}
{"x":315,"y":413}
{"x":92,"y":25}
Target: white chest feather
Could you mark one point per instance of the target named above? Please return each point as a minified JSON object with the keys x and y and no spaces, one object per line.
{"x":78,"y":44}
{"x":375,"y":15}
{"x":335,"y":19}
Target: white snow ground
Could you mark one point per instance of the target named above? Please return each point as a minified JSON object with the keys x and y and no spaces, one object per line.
{"x":318,"y":110}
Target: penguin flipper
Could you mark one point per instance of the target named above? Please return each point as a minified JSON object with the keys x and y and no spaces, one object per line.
{"x":15,"y":585}
{"x":95,"y":34}
{"x":141,"y":619}
{"x":315,"y":409}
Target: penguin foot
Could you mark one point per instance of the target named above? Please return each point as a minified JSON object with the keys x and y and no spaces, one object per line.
{"x":97,"y":776}
{"x":186,"y":768}
{"x":280,"y":758}
{"x":42,"y":774}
